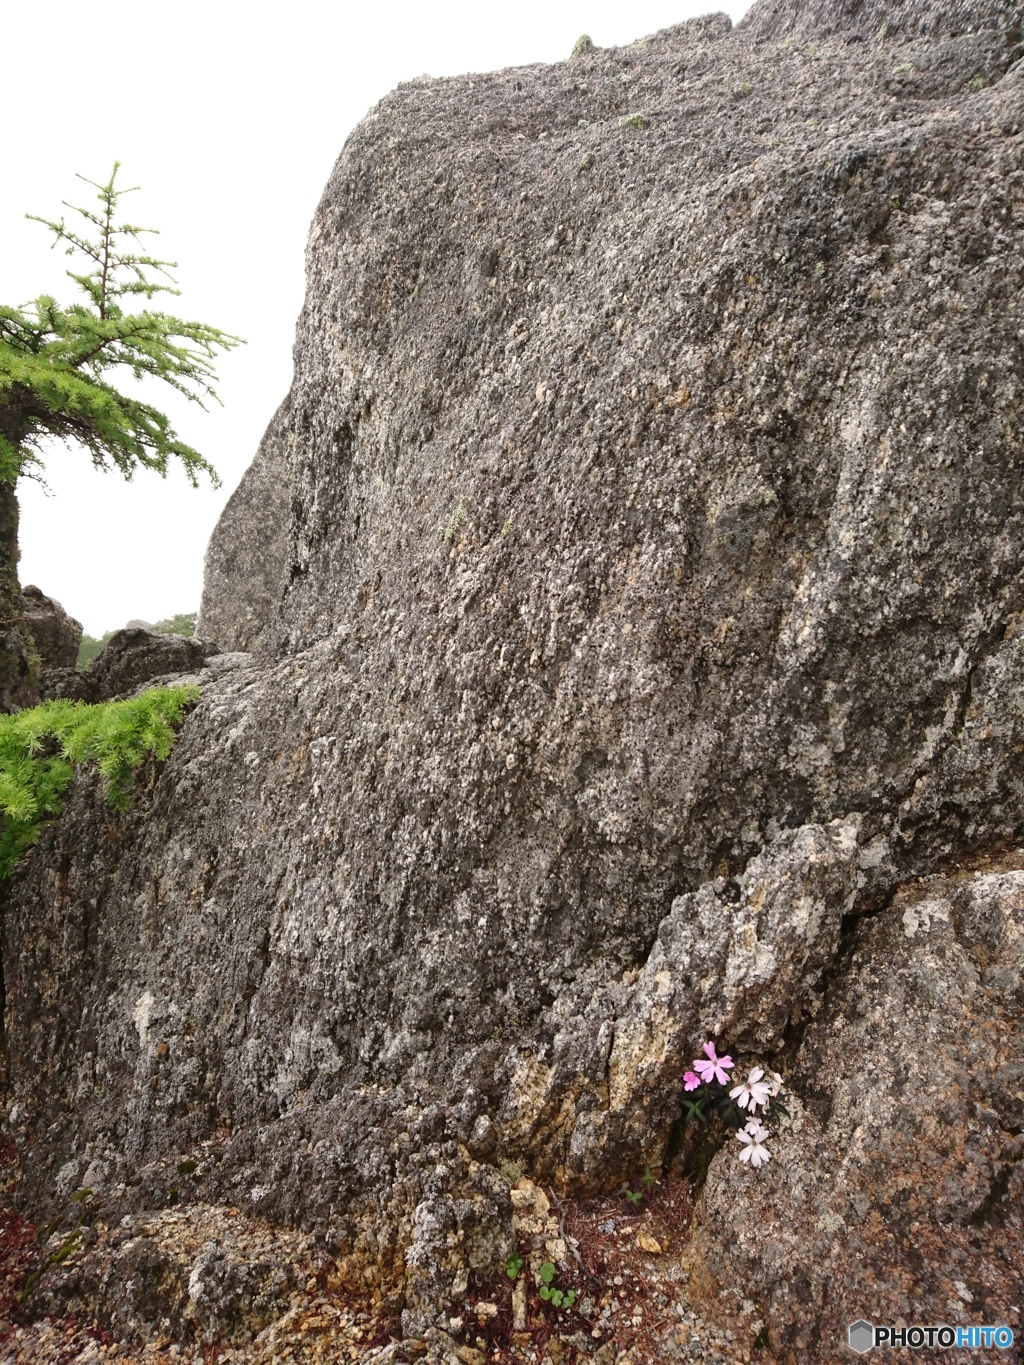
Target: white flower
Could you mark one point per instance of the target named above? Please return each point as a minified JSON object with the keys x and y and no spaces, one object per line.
{"x":754,"y":1151}
{"x":776,"y":1083}
{"x":753,"y":1093}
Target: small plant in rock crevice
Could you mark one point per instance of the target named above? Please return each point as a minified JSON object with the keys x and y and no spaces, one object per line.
{"x":749,"y":1106}
{"x":455,"y":520}
{"x":648,"y":1180}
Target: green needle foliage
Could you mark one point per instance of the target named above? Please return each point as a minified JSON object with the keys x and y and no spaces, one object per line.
{"x":39,"y":748}
{"x":52,"y":358}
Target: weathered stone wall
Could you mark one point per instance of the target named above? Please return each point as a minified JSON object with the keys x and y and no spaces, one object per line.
{"x":649,"y":609}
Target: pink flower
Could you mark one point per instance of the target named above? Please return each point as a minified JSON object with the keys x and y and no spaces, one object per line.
{"x":713,"y":1069}
{"x":690,"y":1080}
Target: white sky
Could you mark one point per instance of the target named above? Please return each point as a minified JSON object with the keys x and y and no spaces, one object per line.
{"x":229,"y":116}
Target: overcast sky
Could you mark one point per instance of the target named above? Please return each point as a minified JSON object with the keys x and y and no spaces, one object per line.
{"x":229,"y":116}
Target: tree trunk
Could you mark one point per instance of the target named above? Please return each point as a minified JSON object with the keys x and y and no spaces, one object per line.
{"x":19,"y":666}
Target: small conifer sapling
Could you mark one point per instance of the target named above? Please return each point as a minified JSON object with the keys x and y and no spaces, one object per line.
{"x":57,"y":370}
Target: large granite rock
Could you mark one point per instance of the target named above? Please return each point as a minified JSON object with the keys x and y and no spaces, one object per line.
{"x":648,"y":611}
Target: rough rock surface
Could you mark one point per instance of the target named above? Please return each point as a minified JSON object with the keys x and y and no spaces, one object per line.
{"x":243,"y":580}
{"x":731,"y":961}
{"x":899,"y":1182}
{"x":649,"y":610}
{"x":131,"y":658}
{"x":56,"y":635}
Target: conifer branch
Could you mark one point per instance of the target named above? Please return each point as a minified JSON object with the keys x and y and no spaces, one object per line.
{"x":52,"y":358}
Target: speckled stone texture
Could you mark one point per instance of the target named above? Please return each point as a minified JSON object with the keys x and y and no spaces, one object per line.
{"x":245,"y":560}
{"x":654,"y":507}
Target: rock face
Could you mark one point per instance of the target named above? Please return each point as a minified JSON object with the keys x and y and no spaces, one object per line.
{"x":634,"y":581}
{"x":905,"y":1153}
{"x":245,"y":563}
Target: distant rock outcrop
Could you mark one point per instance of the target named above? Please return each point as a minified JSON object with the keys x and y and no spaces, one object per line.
{"x":55,"y":635}
{"x":130,"y":658}
{"x":133,"y":657}
{"x":634,"y":592}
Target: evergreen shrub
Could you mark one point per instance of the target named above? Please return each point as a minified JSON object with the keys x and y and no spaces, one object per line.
{"x":39,"y":748}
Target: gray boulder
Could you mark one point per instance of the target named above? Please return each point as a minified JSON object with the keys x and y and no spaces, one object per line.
{"x":130,"y":659}
{"x":56,"y":635}
{"x":133,"y":657}
{"x":645,"y":611}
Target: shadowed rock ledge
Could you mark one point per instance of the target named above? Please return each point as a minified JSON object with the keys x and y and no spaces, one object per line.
{"x":630,"y":593}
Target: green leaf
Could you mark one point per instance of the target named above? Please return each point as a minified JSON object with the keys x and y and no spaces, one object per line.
{"x":546,"y":1272}
{"x":695,"y":1110}
{"x":513,"y":1265}
{"x":545,"y":1292}
{"x":570,"y":1297}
